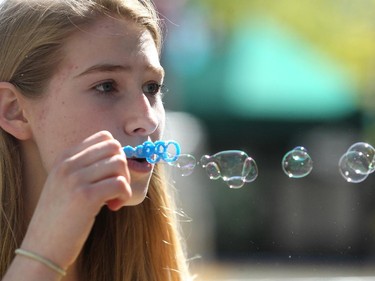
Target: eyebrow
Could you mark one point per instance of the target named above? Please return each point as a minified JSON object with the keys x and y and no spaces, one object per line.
{"x":118,"y":68}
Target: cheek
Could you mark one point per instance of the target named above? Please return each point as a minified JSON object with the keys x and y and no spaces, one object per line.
{"x":53,"y":133}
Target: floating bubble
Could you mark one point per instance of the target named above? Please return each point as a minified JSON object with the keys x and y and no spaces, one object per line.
{"x":185,"y":163}
{"x":362,"y":161}
{"x":357,"y":163}
{"x":351,"y":166}
{"x":212,"y":170}
{"x":297,"y":163}
{"x":235,"y":167}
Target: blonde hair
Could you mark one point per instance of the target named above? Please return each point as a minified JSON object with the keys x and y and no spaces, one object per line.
{"x":136,"y":243}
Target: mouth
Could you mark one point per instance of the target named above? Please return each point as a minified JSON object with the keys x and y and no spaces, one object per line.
{"x":139,"y":165}
{"x":140,"y":160}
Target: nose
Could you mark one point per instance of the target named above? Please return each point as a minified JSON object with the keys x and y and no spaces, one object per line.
{"x":143,"y":118}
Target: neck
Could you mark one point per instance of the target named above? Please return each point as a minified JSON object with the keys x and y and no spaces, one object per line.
{"x":34,"y":176}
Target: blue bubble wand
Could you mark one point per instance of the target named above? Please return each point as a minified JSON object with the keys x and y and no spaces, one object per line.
{"x":153,"y":152}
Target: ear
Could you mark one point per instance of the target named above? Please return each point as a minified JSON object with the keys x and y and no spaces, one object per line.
{"x":12,"y":117}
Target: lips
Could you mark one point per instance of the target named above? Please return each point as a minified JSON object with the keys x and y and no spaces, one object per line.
{"x":139,"y":165}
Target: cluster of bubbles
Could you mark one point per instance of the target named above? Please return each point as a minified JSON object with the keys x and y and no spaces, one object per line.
{"x":236,"y":168}
{"x":357,"y":163}
{"x":233,"y":166}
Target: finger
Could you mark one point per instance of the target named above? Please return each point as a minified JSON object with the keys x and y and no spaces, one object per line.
{"x":98,"y":137}
{"x":116,"y":190}
{"x":115,"y":204}
{"x":109,"y":167}
{"x":69,"y":167}
{"x":96,"y":152}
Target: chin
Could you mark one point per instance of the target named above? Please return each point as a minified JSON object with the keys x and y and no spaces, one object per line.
{"x":139,"y":186}
{"x":135,"y":202}
{"x":138,"y":196}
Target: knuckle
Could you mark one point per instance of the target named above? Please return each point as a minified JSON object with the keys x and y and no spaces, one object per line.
{"x":123,"y":185}
{"x":62,"y":169}
{"x":66,"y":172}
{"x":120,"y":164}
{"x":114,"y":145}
{"x":62,"y":157}
{"x":119,"y":160}
{"x":105,"y":135}
{"x":111,"y":147}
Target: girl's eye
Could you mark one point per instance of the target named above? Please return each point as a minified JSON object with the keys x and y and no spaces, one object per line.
{"x":151,"y":88}
{"x":105,"y":87}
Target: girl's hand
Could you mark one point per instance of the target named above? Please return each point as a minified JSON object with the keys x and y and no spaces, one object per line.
{"x":81,"y":182}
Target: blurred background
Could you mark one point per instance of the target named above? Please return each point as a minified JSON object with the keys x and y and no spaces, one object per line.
{"x":265,"y":76}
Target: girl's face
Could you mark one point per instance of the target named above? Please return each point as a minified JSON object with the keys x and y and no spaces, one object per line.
{"x":109,"y":80}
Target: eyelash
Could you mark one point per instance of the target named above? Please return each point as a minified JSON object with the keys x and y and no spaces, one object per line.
{"x":104,"y":91}
{"x":152,"y":92}
{"x":160,"y":88}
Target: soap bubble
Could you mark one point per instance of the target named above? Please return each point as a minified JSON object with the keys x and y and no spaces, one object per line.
{"x":364,"y":160}
{"x":185,"y":163}
{"x":297,"y":163}
{"x":357,"y":163}
{"x":351,"y":166}
{"x":235,"y":167}
{"x":213,"y":170}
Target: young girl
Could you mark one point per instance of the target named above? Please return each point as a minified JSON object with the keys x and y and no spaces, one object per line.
{"x":80,"y":79}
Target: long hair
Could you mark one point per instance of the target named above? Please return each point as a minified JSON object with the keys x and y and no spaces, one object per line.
{"x":136,"y":243}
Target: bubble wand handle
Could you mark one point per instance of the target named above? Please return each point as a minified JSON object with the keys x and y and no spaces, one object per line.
{"x":153,"y":152}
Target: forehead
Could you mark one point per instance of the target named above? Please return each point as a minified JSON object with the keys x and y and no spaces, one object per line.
{"x":107,"y":26}
{"x":110,"y":40}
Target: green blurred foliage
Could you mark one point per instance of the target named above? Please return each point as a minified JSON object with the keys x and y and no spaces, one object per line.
{"x":344,"y":29}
